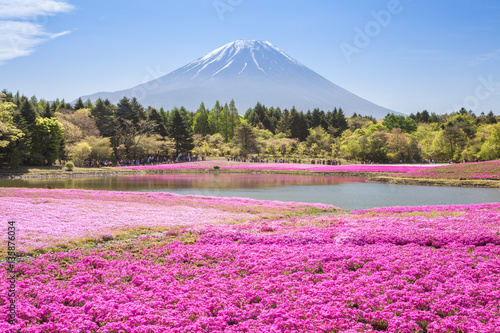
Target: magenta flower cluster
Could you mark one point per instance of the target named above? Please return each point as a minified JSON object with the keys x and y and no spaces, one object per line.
{"x":402,"y":269}
{"x":392,"y":168}
{"x":47,"y":217}
{"x":481,"y":170}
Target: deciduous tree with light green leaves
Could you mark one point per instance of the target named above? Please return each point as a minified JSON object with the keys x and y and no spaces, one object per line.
{"x":47,"y":134}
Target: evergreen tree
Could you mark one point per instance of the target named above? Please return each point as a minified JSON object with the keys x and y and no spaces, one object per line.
{"x":137,"y":111}
{"x":214,"y":118}
{"x":284,"y":123}
{"x":79,"y":104}
{"x":341,"y":121}
{"x":234,"y":118}
{"x":298,"y":125}
{"x":27,"y":113}
{"x":200,"y":123}
{"x":157,"y":119}
{"x":47,"y":111}
{"x":246,"y":137}
{"x":225,"y":123}
{"x":180,"y":132}
{"x":124,"y":110}
{"x":88,"y":104}
{"x":104,"y":117}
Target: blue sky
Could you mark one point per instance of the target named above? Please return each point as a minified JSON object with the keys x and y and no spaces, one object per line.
{"x":406,"y":55}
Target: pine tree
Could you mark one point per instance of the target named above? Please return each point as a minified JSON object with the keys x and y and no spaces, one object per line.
{"x":157,"y":119}
{"x":79,"y":104}
{"x":341,"y":121}
{"x":137,"y":111}
{"x":284,"y":123}
{"x":214,"y":118}
{"x":298,"y":125}
{"x":225,"y":122}
{"x":234,"y":120}
{"x":104,"y":118}
{"x":180,"y":132}
{"x":246,"y":138}
{"x":47,"y":111}
{"x":124,"y":110}
{"x":200,"y":123}
{"x":27,"y":112}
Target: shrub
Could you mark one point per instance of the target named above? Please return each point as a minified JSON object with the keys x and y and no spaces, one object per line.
{"x":69,"y":166}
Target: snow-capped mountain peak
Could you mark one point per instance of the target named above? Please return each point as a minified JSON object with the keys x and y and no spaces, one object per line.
{"x":248,"y":71}
{"x":240,"y":56}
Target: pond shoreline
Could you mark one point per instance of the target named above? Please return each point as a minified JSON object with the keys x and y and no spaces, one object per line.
{"x":373,"y":177}
{"x":435,"y":182}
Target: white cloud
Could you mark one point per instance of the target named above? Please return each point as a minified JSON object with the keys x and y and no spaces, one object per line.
{"x":19,"y":9}
{"x":19,"y":36}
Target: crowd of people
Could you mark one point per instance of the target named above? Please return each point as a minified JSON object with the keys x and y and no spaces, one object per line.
{"x":148,"y":160}
{"x":182,"y":158}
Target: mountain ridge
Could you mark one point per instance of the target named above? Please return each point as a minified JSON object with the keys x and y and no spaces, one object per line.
{"x":248,"y":71}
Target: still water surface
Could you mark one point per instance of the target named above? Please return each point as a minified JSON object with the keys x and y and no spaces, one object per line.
{"x":347,"y":193}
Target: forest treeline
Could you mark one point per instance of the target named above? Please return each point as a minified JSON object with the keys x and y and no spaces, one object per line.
{"x":37,"y":132}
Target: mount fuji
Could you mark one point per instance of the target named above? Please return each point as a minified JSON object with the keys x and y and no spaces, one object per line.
{"x":248,"y":72}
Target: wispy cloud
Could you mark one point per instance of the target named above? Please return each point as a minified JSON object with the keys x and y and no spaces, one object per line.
{"x":486,"y":57}
{"x":20,"y":31}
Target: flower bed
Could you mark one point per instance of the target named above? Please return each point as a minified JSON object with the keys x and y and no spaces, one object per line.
{"x":227,"y":165}
{"x":481,"y":170}
{"x":70,"y":218}
{"x":402,"y":269}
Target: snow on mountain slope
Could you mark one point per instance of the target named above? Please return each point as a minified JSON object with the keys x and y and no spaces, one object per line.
{"x":248,"y":72}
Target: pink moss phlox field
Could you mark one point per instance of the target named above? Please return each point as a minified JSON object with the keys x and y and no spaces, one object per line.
{"x":228,"y":165}
{"x":47,"y":217}
{"x":481,"y":170}
{"x":373,"y":270}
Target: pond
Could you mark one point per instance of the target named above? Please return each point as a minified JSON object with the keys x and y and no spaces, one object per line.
{"x":348,"y":193}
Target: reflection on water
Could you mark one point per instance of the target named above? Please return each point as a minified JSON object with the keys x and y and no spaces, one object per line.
{"x":182,"y":181}
{"x":347,"y":193}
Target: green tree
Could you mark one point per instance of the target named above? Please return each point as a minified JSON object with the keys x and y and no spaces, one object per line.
{"x":377,"y":146}
{"x":283,"y":125}
{"x":214,"y":118}
{"x":9,"y":135}
{"x":319,"y":137}
{"x":124,"y":110}
{"x":138,"y":112}
{"x":406,"y":124}
{"x":457,"y":131}
{"x":100,"y":148}
{"x":47,"y":136}
{"x":200,"y":123}
{"x":27,"y":113}
{"x":79,"y":104}
{"x":246,"y":137}
{"x":103,"y":114}
{"x":180,"y":132}
{"x":490,"y":150}
{"x":157,"y":119}
{"x":80,"y":152}
{"x":298,"y":125}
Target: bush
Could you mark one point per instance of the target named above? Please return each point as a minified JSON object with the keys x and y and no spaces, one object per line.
{"x":216,"y":167}
{"x":69,"y":166}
